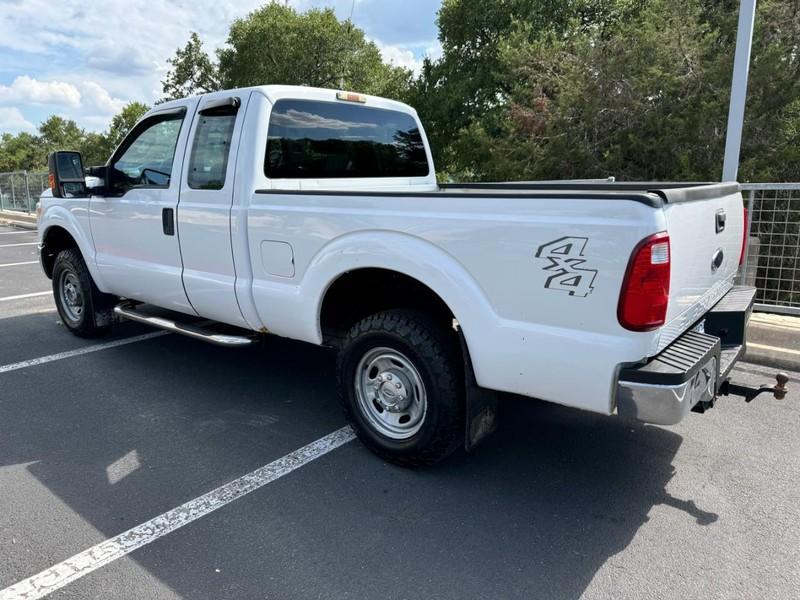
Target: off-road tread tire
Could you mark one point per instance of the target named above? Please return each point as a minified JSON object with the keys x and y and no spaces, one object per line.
{"x":437,"y":355}
{"x":96,"y":301}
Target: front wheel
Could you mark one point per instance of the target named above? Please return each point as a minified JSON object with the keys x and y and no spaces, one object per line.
{"x":401,"y":384}
{"x":83,"y":309}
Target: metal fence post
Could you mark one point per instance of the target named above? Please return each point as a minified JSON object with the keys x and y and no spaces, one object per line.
{"x":27,"y":190}
{"x":13,"y":195}
{"x":748,"y":234}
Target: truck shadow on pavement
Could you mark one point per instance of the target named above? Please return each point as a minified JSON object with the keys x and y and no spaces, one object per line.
{"x":533,"y":513}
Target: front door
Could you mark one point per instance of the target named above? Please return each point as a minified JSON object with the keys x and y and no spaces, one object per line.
{"x":134,"y":224}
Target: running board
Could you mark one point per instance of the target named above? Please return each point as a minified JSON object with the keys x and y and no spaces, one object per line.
{"x":127,"y":310}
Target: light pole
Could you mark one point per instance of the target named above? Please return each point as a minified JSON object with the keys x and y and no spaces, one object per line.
{"x":741,"y":66}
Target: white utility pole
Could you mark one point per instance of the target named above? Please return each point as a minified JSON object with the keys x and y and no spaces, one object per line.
{"x":741,"y":66}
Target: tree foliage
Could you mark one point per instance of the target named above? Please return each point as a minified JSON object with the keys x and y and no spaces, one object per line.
{"x":525,"y":89}
{"x":192,"y":71}
{"x":275,"y":44}
{"x":637,"y":89}
{"x":26,"y":151}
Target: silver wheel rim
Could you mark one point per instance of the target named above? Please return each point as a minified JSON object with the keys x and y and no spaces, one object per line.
{"x":390,"y":393}
{"x":70,"y":296}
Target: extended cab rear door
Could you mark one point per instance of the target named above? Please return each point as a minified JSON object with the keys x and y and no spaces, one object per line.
{"x":204,"y":212}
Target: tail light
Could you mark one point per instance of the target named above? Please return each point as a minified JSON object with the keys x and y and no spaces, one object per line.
{"x":645,"y":289}
{"x":744,"y":237}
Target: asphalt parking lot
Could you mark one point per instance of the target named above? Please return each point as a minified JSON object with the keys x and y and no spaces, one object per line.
{"x":101,"y":436}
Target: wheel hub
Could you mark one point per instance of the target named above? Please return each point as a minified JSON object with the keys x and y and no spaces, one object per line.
{"x":71,"y":296}
{"x":392,"y":391}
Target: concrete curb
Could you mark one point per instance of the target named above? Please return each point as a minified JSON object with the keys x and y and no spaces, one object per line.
{"x":17,"y":219}
{"x":774,"y":341}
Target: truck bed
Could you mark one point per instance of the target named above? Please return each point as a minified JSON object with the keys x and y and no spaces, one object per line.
{"x":653,"y":194}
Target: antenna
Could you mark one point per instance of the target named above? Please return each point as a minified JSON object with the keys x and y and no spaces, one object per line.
{"x":349,"y":29}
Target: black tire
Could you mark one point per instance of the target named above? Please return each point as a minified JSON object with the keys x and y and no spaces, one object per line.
{"x":95,"y":316}
{"x":434,"y":353}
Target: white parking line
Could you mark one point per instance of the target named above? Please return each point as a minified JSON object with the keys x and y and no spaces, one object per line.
{"x":110,"y":550}
{"x":16,"y":232}
{"x":17,"y":264}
{"x":42,"y":360}
{"x":23,"y":296}
{"x":21,"y":244}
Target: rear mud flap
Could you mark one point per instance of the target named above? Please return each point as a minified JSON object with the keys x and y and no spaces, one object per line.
{"x":481,"y":404}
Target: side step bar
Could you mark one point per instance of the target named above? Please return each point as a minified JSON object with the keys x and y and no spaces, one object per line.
{"x":127,"y":310}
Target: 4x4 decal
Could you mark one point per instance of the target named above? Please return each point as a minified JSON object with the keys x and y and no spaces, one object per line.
{"x":565,"y":255}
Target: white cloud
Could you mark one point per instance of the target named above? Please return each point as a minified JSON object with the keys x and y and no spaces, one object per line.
{"x":403,"y":56}
{"x":25,"y":90}
{"x":399,"y":56}
{"x":97,"y":97}
{"x":122,"y":47}
{"x":13,"y":121}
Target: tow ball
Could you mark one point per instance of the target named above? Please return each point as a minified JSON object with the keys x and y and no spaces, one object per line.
{"x":749,"y":393}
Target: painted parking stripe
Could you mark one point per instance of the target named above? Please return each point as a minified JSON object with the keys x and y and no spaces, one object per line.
{"x":43,"y":360}
{"x":110,"y":550}
{"x":17,"y":264}
{"x":16,"y":232}
{"x":23,"y":296}
{"x":20,"y":244}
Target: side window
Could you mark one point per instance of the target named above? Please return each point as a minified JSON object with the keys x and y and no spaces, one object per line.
{"x":146,"y":159}
{"x":308,"y":139}
{"x":212,"y":144}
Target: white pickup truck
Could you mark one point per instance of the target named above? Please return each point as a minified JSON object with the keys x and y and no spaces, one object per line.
{"x":316,"y":215}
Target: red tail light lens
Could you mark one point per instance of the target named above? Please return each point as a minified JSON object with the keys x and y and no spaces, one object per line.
{"x":645,"y":290}
{"x":744,"y":238}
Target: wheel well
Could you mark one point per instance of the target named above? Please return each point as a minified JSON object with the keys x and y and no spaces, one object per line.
{"x":55,"y":240}
{"x":358,"y":294}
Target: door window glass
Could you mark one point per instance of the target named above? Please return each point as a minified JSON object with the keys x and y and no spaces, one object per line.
{"x":146,"y":161}
{"x":212,"y":144}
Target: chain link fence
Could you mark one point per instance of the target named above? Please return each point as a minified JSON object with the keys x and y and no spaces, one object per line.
{"x":20,"y":190}
{"x":771,"y":257}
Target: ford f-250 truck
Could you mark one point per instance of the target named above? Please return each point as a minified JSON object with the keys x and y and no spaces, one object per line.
{"x":315,"y":215}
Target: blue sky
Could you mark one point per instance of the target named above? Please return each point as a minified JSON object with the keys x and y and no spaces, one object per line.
{"x":84,"y":60}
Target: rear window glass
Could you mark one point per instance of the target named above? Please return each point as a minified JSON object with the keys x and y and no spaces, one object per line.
{"x":212,"y":144}
{"x":322,"y":140}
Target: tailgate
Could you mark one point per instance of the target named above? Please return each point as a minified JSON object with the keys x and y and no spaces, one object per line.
{"x":705,"y":226}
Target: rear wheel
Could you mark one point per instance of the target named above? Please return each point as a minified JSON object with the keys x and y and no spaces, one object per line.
{"x":401,"y":385}
{"x":83,"y":309}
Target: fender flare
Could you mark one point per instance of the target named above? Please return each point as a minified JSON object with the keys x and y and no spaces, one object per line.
{"x":411,"y":256}
{"x":59,"y":216}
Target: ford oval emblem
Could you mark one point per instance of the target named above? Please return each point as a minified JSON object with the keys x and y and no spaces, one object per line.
{"x":716,"y":260}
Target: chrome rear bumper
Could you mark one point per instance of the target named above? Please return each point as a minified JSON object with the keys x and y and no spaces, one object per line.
{"x":689,"y":372}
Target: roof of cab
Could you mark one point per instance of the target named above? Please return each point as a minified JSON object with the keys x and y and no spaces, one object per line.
{"x":280,"y":92}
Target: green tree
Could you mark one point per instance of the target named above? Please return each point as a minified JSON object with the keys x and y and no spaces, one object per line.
{"x":19,"y":152}
{"x":275,"y":44}
{"x":472,"y":80}
{"x":123,"y":122}
{"x":192,"y":71}
{"x":57,"y":133}
{"x":634,"y":89}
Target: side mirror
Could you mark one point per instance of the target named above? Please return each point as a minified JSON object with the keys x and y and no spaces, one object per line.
{"x":66,"y":176}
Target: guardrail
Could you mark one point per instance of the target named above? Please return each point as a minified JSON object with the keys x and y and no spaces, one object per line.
{"x":20,"y":190}
{"x":773,"y":245}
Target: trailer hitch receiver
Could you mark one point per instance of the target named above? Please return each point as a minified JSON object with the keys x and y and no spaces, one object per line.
{"x":749,"y":393}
